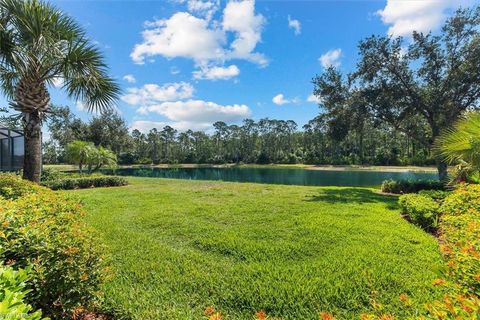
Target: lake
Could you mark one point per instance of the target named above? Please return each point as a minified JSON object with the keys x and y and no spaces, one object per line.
{"x":277,"y":176}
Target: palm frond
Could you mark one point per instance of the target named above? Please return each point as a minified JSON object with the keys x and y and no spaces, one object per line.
{"x":85,"y":77}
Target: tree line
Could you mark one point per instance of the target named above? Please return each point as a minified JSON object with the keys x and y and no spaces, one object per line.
{"x":264,"y":141}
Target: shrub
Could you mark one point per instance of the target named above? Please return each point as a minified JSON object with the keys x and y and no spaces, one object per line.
{"x":437,"y":195}
{"x":410,"y":186}
{"x":422,"y":210}
{"x":12,"y":187}
{"x":13,"y":290}
{"x":45,"y":230}
{"x":460,"y":245}
{"x":49,"y":174}
{"x":85,"y":182}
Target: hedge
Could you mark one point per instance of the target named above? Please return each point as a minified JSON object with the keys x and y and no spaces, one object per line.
{"x":421,"y":209}
{"x":410,"y":186}
{"x":85,"y":182}
{"x":44,"y":230}
{"x":460,"y":245}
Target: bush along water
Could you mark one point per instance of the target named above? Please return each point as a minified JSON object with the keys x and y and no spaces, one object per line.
{"x":410,"y":186}
{"x":44,"y":231}
{"x":85,"y":182}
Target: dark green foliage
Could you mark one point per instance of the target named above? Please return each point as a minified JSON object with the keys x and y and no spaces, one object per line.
{"x":421,"y":209}
{"x":85,"y":182}
{"x":410,"y":186}
{"x":45,"y":230}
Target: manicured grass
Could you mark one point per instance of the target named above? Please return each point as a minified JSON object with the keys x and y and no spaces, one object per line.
{"x":179,"y":246}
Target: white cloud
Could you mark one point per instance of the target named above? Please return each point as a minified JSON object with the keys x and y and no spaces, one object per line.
{"x":208,"y":42}
{"x":182,"y":35}
{"x":80,"y":106}
{"x":217,"y":73}
{"x":280,"y":99}
{"x":312,"y":98}
{"x":295,"y":25}
{"x":129,"y":78}
{"x":145,"y":125}
{"x":198,"y":111}
{"x":239,"y":17}
{"x":420,"y":15}
{"x":153,"y":93}
{"x":204,"y":8}
{"x":58,"y":82}
{"x":331,"y":58}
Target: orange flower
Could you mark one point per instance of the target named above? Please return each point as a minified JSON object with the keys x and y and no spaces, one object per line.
{"x":209,"y":311}
{"x":216,"y":316}
{"x":387,"y":317}
{"x":326,"y":316}
{"x":438,"y":282}
{"x":261,"y":315}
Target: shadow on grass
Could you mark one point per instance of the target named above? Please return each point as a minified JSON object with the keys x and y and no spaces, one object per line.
{"x":353,"y":195}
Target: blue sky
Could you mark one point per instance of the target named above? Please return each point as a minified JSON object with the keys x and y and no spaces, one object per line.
{"x":189,"y":63}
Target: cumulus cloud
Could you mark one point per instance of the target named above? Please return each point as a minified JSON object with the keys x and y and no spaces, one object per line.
{"x":170,"y":101}
{"x":404,"y":17}
{"x":206,"y":41}
{"x":153,"y":93}
{"x":239,"y":17}
{"x":129,"y":78}
{"x":182,"y":35}
{"x":217,"y":73}
{"x":295,"y":25}
{"x":145,"y":125}
{"x":331,"y":58}
{"x":80,"y":106}
{"x":280,"y":99}
{"x":312,"y":98}
{"x":203,"y":8}
{"x":198,"y":111}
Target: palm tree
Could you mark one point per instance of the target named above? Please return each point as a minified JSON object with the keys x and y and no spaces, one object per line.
{"x":39,"y":46}
{"x":460,"y":146}
{"x":80,"y":153}
{"x":102,"y":157}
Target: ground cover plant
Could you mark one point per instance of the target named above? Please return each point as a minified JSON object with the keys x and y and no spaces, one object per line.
{"x":13,"y":290}
{"x":292,"y":252}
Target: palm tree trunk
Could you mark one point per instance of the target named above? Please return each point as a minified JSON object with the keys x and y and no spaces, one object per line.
{"x":442,"y":169}
{"x":32,"y":128}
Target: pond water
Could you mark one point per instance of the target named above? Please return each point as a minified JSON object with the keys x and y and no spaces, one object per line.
{"x":277,"y":176}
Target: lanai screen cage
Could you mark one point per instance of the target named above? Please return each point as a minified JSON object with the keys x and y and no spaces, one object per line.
{"x":11,"y":149}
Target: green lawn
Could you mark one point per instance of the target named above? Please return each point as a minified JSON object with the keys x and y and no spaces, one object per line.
{"x":179,"y":246}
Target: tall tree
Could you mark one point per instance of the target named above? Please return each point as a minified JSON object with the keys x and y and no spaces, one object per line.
{"x":40,"y":45}
{"x":430,"y":82}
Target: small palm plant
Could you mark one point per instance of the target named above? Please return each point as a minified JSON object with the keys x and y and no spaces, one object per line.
{"x":39,"y":46}
{"x":460,"y":146}
{"x":102,"y":157}
{"x":80,"y":153}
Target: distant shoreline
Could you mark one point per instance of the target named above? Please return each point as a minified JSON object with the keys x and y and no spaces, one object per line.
{"x":276,"y":166}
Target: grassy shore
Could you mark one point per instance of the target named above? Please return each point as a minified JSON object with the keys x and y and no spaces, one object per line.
{"x":180,"y":246}
{"x":65,"y":167}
